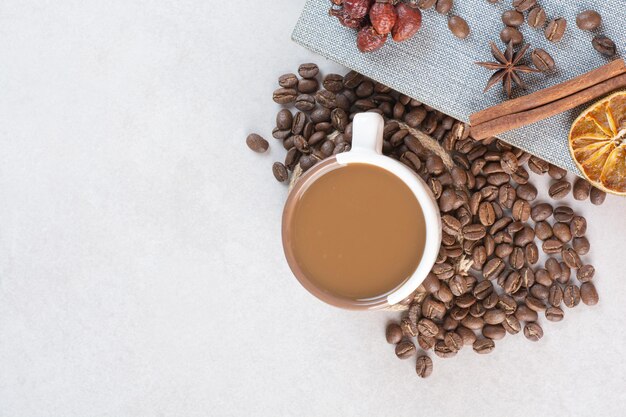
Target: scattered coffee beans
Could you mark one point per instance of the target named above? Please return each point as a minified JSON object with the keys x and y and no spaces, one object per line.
{"x":459,"y":27}
{"x":556,"y":29}
{"x":257,"y":143}
{"x":542,"y":60}
{"x":486,"y":281}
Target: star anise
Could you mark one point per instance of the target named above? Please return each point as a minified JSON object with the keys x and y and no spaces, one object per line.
{"x":507,"y":67}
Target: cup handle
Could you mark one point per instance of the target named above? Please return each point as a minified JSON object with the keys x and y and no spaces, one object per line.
{"x":367,"y":132}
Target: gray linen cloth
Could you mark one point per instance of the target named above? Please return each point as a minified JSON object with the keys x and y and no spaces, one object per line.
{"x":438,"y":69}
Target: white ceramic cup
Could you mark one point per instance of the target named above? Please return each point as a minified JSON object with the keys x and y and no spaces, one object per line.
{"x":367,"y":144}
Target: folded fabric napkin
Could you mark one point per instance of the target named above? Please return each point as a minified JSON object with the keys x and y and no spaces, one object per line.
{"x":439,"y":70}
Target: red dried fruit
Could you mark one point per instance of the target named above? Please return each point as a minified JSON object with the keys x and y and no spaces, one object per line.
{"x":408,"y":23}
{"x":356,"y":9}
{"x":368,"y":40}
{"x":383,"y":17}
{"x":345,"y":19}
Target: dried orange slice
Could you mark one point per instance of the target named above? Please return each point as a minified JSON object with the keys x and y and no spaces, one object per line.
{"x":597,"y":142}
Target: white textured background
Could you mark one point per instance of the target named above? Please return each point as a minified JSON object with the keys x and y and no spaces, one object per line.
{"x":141,"y":271}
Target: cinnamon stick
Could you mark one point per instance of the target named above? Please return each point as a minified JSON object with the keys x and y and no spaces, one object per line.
{"x":523,"y":118}
{"x":550,"y":94}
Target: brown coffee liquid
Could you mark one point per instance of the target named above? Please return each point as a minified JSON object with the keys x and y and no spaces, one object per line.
{"x":358,"y":232}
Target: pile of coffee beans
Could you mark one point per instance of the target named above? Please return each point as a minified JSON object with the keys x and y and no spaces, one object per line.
{"x":505,"y":259}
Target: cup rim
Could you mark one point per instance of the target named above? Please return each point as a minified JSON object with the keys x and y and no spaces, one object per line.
{"x":425,"y":199}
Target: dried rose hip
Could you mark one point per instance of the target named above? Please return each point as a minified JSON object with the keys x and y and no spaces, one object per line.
{"x":368,"y":40}
{"x":408,"y":23}
{"x":345,"y":19}
{"x":383,"y":16}
{"x":356,"y":9}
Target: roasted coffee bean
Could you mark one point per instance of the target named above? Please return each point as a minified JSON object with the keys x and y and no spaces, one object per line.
{"x":562,"y":232}
{"x":492,"y":299}
{"x":554,"y":314}
{"x":571,"y":295}
{"x":339,"y":119}
{"x":405,"y":349}
{"x":280,"y":172}
{"x":409,"y":328}
{"x":393,"y":333}
{"x":365,"y":89}
{"x":301,"y":144}
{"x":578,"y":226}
{"x":588,"y":20}
{"x":556,"y":172}
{"x":257,"y":143}
{"x":563,"y":214}
{"x":443,"y":6}
{"x":474,"y":232}
{"x":581,"y":245}
{"x":533,"y":331}
{"x":299,"y":120}
{"x":308,"y":85}
{"x":285,"y":95}
{"x":424,"y":366}
{"x":604,"y":45}
{"x":474,"y":323}
{"x":494,"y":316}
{"x":520,"y":210}
{"x":524,"y":5}
{"x":543,"y":230}
{"x":555,"y":29}
{"x":333,"y":83}
{"x":465,"y":301}
{"x":453,"y":341}
{"x":528,"y":277}
{"x":316,"y":138}
{"x":516,"y":259}
{"x":555,"y":295}
{"x":308,"y":70}
{"x":539,"y":291}
{"x":585,"y":273}
{"x":327,"y":148}
{"x":511,"y":34}
{"x":434,"y":164}
{"x":477,"y":309}
{"x":535,"y":304}
{"x":527,"y":192}
{"x":449,"y":323}
{"x":512,"y":283}
{"x":499,"y":225}
{"x":512,"y":18}
{"x":479,"y":256}
{"x":520,"y":176}
{"x":458,"y":27}
{"x":507,"y":304}
{"x":523,"y":313}
{"x":554,"y":268}
{"x":427,"y":328}
{"x":511,"y":324}
{"x":542,"y":276}
{"x":483,"y":346}
{"x":281,"y":134}
{"x":486,"y":214}
{"x":588,"y":294}
{"x":426,"y":342}
{"x":538,"y":165}
{"x":398,"y":137}
{"x":571,"y":258}
{"x":326,"y":99}
{"x":305,"y":102}
{"x":459,"y":176}
{"x":284,"y":119}
{"x":352,"y":79}
{"x":597,"y":196}
{"x":458,"y":285}
{"x":507,"y":195}
{"x":288,"y":80}
{"x":468,"y":336}
{"x":494,"y":332}
{"x":581,"y":189}
{"x":443,"y":351}
{"x":541,"y":211}
{"x":559,"y":189}
{"x":552,"y":246}
{"x":537,"y":17}
{"x":415,"y":117}
{"x":433,"y":309}
{"x":458,"y":313}
{"x":542,"y":60}
{"x":483,"y":289}
{"x":531,"y":253}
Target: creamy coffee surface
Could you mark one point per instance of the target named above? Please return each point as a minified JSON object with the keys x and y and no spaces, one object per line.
{"x":358,"y":232}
